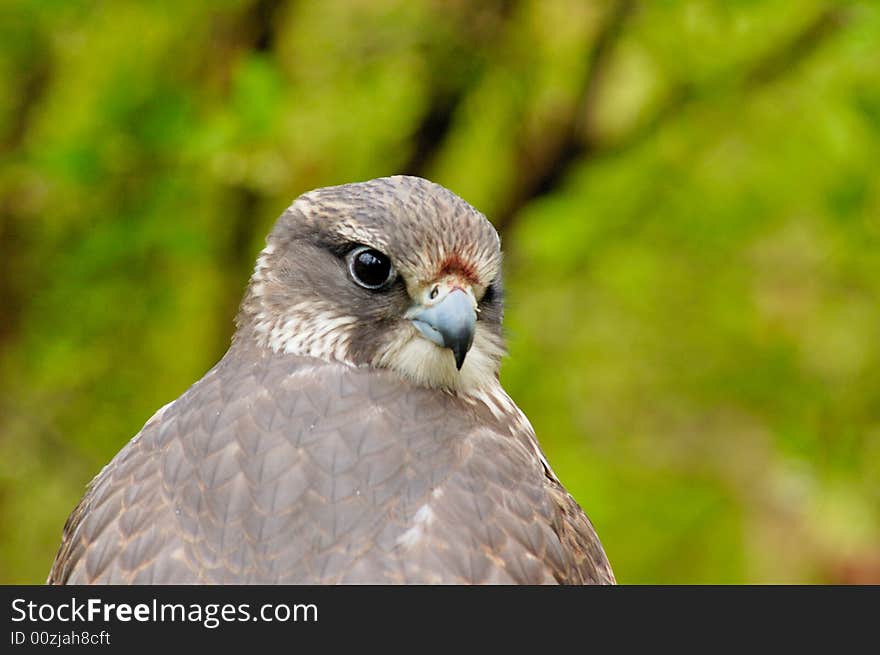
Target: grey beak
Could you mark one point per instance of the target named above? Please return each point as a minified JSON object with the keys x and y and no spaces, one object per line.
{"x":450,"y":323}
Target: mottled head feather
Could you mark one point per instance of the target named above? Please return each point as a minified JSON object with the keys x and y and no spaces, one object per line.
{"x":301,"y":298}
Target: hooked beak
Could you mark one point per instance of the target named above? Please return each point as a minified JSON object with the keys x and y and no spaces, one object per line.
{"x":449,"y":320}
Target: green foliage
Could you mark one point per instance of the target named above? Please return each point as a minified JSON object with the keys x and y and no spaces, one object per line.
{"x":687,"y":195}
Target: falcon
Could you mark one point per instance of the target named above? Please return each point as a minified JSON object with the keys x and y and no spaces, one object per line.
{"x":355,"y":431}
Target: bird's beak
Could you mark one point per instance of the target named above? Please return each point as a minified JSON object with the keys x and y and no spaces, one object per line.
{"x":449,"y":318}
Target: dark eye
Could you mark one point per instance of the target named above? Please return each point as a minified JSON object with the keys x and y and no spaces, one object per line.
{"x":370,"y":268}
{"x":489,"y":294}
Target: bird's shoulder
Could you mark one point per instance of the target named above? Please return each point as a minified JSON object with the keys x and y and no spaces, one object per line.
{"x":529,"y":529}
{"x":290,"y":469}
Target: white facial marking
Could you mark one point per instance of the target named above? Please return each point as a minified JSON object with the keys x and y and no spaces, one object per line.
{"x":427,"y":364}
{"x":309,"y":330}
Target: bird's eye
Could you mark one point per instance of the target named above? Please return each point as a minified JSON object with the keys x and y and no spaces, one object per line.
{"x":489,"y":294}
{"x":370,"y":268}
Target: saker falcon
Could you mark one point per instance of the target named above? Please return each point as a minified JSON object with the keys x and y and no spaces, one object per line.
{"x":354,"y":432}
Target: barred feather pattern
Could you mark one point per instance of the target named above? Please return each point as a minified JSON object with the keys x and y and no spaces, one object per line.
{"x":276,"y":468}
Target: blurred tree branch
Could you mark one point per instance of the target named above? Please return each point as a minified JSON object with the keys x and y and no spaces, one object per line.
{"x":540,"y":173}
{"x":255,"y":27}
{"x":447,"y":93}
{"x":763,"y":72}
{"x":31,"y":86}
{"x":541,"y":179}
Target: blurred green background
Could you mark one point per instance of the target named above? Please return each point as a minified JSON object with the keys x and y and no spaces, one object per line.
{"x":688,"y":197}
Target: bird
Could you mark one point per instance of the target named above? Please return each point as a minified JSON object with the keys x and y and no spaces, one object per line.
{"x":355,"y":431}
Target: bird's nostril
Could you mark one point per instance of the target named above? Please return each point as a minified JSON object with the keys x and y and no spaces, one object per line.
{"x":434,"y":292}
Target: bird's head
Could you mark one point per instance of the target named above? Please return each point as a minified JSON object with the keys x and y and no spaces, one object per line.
{"x":396,"y":273}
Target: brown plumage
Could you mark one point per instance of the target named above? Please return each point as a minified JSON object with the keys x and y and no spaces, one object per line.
{"x":352,"y":433}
